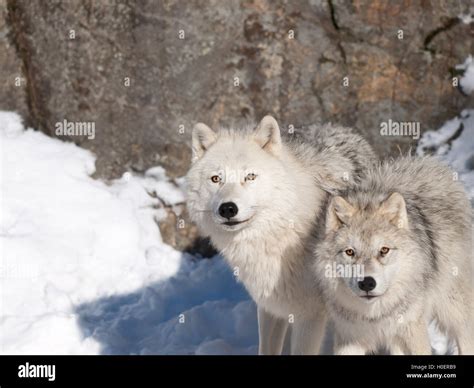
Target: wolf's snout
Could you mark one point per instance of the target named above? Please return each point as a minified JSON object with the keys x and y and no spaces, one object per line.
{"x":367,"y":284}
{"x":228,"y":210}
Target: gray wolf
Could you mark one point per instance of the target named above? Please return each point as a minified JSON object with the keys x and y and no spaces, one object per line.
{"x":408,"y":223}
{"x":257,"y":197}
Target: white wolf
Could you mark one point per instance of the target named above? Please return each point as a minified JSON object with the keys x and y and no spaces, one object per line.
{"x":257,"y":198}
{"x":409,"y":225}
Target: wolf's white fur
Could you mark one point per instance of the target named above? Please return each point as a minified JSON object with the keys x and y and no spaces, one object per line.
{"x":271,"y":248}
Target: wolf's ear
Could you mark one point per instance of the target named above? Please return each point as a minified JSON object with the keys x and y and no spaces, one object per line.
{"x":339,"y":212}
{"x":203,"y":138}
{"x":395,"y":210}
{"x":267,"y":135}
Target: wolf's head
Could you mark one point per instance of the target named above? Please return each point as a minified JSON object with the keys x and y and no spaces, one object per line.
{"x":374,"y":237}
{"x":236,"y":177}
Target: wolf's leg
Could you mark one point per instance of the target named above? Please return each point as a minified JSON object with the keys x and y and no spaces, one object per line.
{"x":347,"y":347}
{"x":396,"y":349}
{"x":271,"y":332}
{"x":458,"y":321}
{"x":307,"y":334}
{"x":464,"y":331}
{"x":464,"y":335}
{"x":465,"y":341}
{"x":413,"y":339}
{"x":349,"y":350}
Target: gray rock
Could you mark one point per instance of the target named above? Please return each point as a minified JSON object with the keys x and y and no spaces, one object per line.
{"x":236,"y":61}
{"x":175,"y":82}
{"x":13,"y":85}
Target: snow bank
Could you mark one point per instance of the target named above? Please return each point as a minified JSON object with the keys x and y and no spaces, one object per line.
{"x":83,"y":269}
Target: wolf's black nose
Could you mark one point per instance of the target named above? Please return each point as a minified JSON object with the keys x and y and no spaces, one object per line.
{"x":228,"y":210}
{"x":368,"y":284}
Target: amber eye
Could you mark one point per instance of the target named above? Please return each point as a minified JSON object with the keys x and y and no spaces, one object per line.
{"x":215,"y":178}
{"x":384,"y":250}
{"x":349,"y":252}
{"x":251,"y":177}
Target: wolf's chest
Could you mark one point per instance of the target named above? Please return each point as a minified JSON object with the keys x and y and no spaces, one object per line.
{"x":271,"y":284}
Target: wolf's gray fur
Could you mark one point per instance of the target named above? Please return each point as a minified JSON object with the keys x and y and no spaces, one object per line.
{"x":287,"y":188}
{"x":417,"y":209}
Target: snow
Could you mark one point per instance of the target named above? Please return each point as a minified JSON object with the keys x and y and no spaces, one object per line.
{"x":467,"y":80}
{"x":83,"y":269}
{"x":453,"y":143}
{"x":194,"y":311}
{"x":468,"y":17}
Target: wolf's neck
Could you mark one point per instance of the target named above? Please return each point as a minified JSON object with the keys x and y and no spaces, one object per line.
{"x":262,"y":262}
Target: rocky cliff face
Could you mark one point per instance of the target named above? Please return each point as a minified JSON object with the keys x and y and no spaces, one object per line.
{"x":144,"y":72}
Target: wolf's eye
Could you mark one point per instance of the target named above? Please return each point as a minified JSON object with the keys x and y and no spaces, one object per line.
{"x":349,"y":252}
{"x":251,"y":177}
{"x":215,"y":178}
{"x":384,"y":250}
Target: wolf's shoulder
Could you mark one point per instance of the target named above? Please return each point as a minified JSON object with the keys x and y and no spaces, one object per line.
{"x":325,"y":135}
{"x":415,"y":174}
{"x":335,"y":140}
{"x":425,"y":183}
{"x":335,"y":155}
